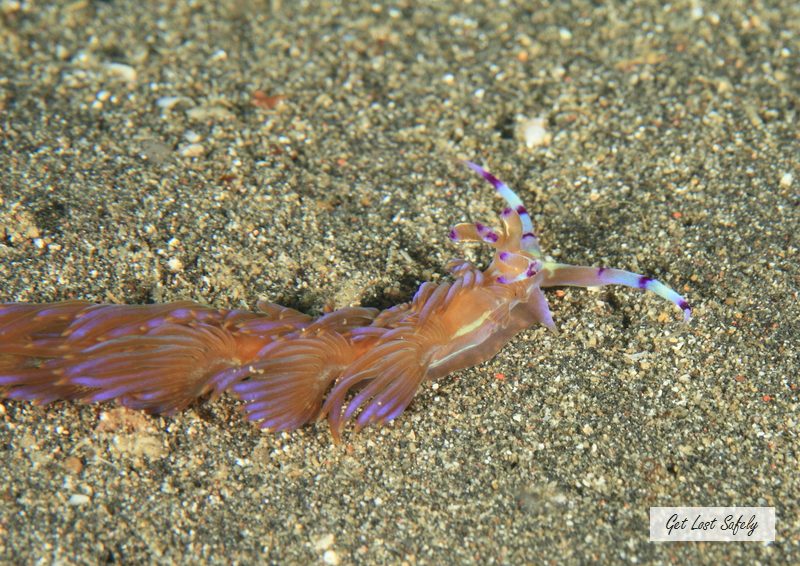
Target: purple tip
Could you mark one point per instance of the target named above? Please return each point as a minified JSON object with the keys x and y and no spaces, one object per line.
{"x":366,"y":415}
{"x":492,"y":236}
{"x":491,"y":178}
{"x":521,"y":210}
{"x":600,"y":271}
{"x":502,"y":280}
{"x":687,"y":310}
{"x":452,"y":235}
{"x":503,"y":255}
{"x":395,"y":413}
{"x":531,"y":271}
{"x":528,"y":235}
{"x":480,"y":227}
{"x":644,"y":282}
{"x":506,"y":211}
{"x":485,"y":174}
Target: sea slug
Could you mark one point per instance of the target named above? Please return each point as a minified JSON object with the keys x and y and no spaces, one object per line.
{"x":289,"y":368}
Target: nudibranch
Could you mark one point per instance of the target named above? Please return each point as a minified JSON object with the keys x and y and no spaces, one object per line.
{"x":291,"y":369}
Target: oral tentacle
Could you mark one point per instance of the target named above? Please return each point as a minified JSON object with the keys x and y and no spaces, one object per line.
{"x":559,"y":275}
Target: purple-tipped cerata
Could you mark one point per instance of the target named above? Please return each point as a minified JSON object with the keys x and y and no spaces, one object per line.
{"x":289,"y":368}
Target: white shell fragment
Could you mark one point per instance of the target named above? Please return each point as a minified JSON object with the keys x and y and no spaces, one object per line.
{"x":534,"y":132}
{"x":121,"y":71}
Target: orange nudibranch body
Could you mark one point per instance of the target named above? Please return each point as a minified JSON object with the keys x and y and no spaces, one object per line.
{"x":287,"y":367}
{"x":478,"y":323}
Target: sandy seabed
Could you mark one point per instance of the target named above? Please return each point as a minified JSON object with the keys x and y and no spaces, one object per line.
{"x":301,"y":152}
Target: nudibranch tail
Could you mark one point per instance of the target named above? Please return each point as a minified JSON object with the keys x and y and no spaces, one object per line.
{"x":562,"y":275}
{"x":158,"y":358}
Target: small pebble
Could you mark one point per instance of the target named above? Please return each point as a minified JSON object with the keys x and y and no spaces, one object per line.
{"x":324,"y":542}
{"x":192,"y":150}
{"x":78,"y":499}
{"x":534,"y":132}
{"x":121,"y":71}
{"x":175,"y":265}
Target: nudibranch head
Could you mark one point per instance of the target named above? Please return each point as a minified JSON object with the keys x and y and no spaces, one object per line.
{"x":517,"y":253}
{"x":518,"y":256}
